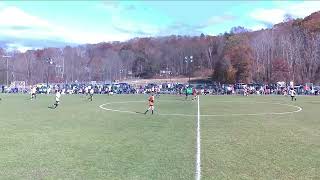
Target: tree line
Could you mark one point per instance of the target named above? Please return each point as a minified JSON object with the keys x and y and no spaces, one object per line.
{"x":287,"y":51}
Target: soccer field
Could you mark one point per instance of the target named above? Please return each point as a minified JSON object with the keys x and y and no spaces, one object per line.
{"x":255,"y":137}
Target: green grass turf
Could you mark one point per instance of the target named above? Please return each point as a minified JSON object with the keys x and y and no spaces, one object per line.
{"x":78,"y":140}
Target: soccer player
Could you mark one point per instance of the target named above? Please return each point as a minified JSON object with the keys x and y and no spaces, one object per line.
{"x":151,"y":104}
{"x":49,"y":90}
{"x":194,"y":93}
{"x":157,"y":89}
{"x":246,"y":91}
{"x":91,"y":94}
{"x":86,"y":90}
{"x":187,"y":93}
{"x":33,"y":92}
{"x":285,"y":92}
{"x":293,"y":94}
{"x":58,"y":95}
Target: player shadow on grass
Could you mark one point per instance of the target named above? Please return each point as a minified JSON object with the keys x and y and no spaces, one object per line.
{"x":139,"y":112}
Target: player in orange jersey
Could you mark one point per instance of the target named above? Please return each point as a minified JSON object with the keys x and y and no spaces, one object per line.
{"x":151,"y":104}
{"x":195,"y":94}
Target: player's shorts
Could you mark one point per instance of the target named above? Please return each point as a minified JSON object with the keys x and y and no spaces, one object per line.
{"x":57,"y":102}
{"x":151,"y":107}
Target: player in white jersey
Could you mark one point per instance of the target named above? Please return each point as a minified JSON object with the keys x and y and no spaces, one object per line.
{"x":58,"y":95}
{"x":91,"y":94}
{"x":157,"y":91}
{"x":293,"y":94}
{"x":246,"y":91}
{"x":86,"y":91}
{"x":33,"y":92}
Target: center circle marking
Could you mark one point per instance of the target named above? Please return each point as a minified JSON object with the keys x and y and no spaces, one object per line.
{"x":298,"y":109}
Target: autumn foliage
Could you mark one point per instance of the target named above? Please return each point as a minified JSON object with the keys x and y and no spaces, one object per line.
{"x":287,"y":51}
{"x":239,"y":53}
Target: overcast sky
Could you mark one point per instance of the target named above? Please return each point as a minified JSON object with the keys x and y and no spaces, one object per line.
{"x":38,"y":24}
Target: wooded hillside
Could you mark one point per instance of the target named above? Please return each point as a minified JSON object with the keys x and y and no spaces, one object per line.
{"x":288,"y":51}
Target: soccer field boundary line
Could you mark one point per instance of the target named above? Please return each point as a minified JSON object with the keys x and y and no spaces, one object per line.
{"x":198,"y":154}
{"x":298,"y":109}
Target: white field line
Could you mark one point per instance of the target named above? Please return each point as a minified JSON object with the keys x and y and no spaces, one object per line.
{"x":298,"y":109}
{"x":198,"y":157}
{"x":259,"y":114}
{"x":198,"y":151}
